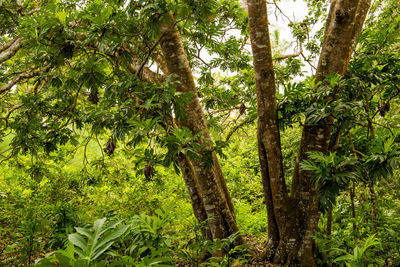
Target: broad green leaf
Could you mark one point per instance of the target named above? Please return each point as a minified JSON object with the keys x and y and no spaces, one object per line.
{"x":78,"y":241}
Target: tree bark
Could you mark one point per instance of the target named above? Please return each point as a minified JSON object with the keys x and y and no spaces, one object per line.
{"x":269,"y":144}
{"x":353,"y":207}
{"x":217,"y":201}
{"x":191,"y":181}
{"x":329,"y":222}
{"x":185,"y":165}
{"x":374,"y":207}
{"x":343,"y":26}
{"x":292,"y":220}
{"x":8,"y":51}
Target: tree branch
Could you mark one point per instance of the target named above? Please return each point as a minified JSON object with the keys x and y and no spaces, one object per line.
{"x":6,"y":45}
{"x":237,"y":127}
{"x":291,"y":55}
{"x":10,"y":51}
{"x":161,"y":64}
{"x":148,"y":55}
{"x":25,"y":75}
{"x":147,"y":74}
{"x":5,"y":118}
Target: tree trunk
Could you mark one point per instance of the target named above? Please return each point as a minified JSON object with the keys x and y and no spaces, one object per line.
{"x":329,"y":222}
{"x":269,"y":146}
{"x":216,"y":198}
{"x":193,"y":188}
{"x":344,"y":24}
{"x":292,"y":220}
{"x":186,"y":166}
{"x":333,"y":146}
{"x":353,"y":207}
{"x":374,"y":207}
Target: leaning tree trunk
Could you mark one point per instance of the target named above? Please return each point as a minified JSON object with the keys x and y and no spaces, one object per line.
{"x":216,"y":198}
{"x":193,"y":188}
{"x":185,"y":165}
{"x":293,"y":219}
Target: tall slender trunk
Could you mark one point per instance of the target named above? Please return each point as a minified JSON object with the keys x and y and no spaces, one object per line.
{"x":329,"y":222}
{"x":333,"y":146}
{"x":374,"y":207}
{"x":269,"y":144}
{"x":353,"y":206}
{"x":216,"y":198}
{"x":293,"y":219}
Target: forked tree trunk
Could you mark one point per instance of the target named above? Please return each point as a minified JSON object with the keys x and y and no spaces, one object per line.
{"x":343,"y":27}
{"x":293,"y":219}
{"x":216,"y":198}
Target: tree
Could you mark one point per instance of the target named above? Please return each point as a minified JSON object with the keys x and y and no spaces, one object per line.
{"x":217,"y":202}
{"x":100,"y":55}
{"x":124,"y":71}
{"x":292,"y":219}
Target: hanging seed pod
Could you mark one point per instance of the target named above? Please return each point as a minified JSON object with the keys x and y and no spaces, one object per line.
{"x":242,"y":109}
{"x":149,"y":171}
{"x":384,"y":108}
{"x":93,"y":96}
{"x":110,"y":147}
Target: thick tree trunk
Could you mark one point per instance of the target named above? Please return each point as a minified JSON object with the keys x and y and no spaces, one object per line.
{"x":344,"y":24}
{"x":193,"y":188}
{"x":186,"y":166}
{"x":216,"y":198}
{"x":293,"y":219}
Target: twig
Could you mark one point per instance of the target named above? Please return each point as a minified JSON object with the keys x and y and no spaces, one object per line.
{"x":101,"y":148}
{"x":5,"y":118}
{"x":26,"y":75}
{"x":280,"y":10}
{"x":85,"y":160}
{"x":237,"y":127}
{"x":72,"y":108}
{"x":148,"y":55}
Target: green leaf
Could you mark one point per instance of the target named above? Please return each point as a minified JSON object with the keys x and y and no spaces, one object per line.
{"x":78,"y":241}
{"x":86,"y":232}
{"x":61,"y":15}
{"x":344,"y":258}
{"x":98,"y":224}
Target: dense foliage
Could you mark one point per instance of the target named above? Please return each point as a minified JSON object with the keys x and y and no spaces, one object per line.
{"x":89,"y":172}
